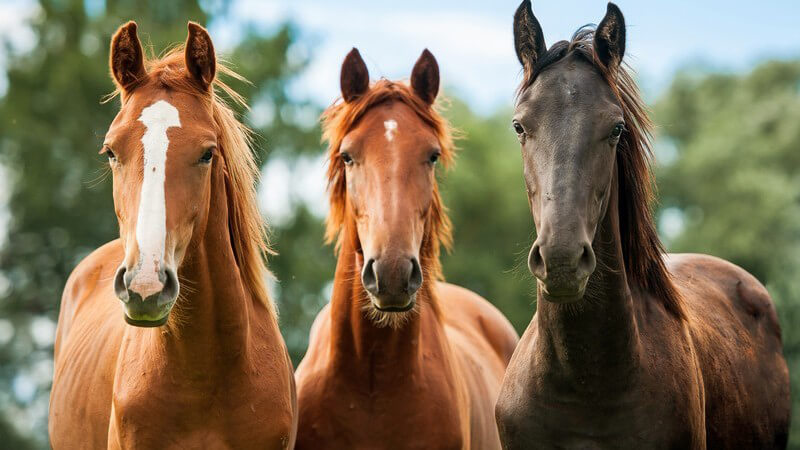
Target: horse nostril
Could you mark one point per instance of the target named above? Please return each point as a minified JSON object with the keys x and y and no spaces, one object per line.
{"x":535,"y":261}
{"x":121,"y":285}
{"x":171,"y":287}
{"x":414,"y":278}
{"x":369,"y":278}
{"x":586,"y":263}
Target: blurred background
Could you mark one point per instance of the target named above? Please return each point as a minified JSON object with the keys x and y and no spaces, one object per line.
{"x":723,"y":80}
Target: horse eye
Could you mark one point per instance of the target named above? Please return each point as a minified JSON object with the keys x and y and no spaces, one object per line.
{"x":518,"y":128}
{"x":434,"y":157}
{"x":110,"y":155}
{"x":617,"y":131}
{"x":206,"y":158}
{"x":347,"y":158}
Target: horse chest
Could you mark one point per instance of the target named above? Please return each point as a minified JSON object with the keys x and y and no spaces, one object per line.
{"x":566,"y":424}
{"x":542,"y":405}
{"x":225,"y":415}
{"x":342,"y":414}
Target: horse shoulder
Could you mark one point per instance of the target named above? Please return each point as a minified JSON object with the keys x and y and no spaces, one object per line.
{"x":86,"y":279}
{"x":482,"y":340}
{"x":737,"y":336}
{"x":88,"y":336}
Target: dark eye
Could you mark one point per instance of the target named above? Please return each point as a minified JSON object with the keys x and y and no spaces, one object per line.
{"x":618,"y":129}
{"x":518,"y":128}
{"x":434,"y":157}
{"x":347,"y":158}
{"x":206,"y":158}
{"x":109,"y":154}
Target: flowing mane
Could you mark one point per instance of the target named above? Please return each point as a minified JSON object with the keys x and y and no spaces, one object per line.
{"x":641,"y":247}
{"x":247,"y":227}
{"x":340,"y":118}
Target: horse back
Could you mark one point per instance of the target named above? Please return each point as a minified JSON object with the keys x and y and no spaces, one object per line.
{"x":737,"y":338}
{"x":88,"y":338}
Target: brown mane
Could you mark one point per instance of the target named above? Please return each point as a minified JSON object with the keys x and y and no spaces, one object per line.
{"x":641,"y":247}
{"x":246,"y":226}
{"x":339,"y":119}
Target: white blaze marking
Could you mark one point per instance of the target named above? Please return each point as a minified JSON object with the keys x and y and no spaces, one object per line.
{"x":391,"y":128}
{"x":151,"y":222}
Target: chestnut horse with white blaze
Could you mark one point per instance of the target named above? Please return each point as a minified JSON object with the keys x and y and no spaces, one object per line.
{"x":628,"y":348}
{"x":398,"y":359}
{"x":131,"y":372}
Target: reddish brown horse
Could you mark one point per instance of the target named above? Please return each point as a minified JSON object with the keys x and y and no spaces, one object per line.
{"x":628,"y":349}
{"x":397,"y":359}
{"x":213,"y":373}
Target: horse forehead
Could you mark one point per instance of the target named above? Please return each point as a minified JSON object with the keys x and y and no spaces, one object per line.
{"x":160,"y":108}
{"x":571,"y":81}
{"x":396,"y":123}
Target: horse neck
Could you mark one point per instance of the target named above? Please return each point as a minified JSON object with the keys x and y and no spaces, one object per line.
{"x":357,"y":344}
{"x":597,"y":335}
{"x":210,"y":324}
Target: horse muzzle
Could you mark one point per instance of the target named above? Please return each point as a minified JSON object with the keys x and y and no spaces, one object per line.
{"x":147,"y":302}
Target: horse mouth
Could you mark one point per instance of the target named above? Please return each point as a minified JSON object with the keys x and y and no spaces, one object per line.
{"x":395,"y":309}
{"x":146,"y":323}
{"x":563,"y":293}
{"x":147,"y":313}
{"x":391,"y":316}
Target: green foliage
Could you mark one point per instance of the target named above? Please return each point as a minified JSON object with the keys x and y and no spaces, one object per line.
{"x":735,"y":181}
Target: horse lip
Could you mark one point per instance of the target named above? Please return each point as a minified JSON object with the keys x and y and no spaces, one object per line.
{"x":562,"y":298}
{"x":146,"y":323}
{"x":395,"y":308}
{"x":564,"y":292}
{"x":150,"y":312}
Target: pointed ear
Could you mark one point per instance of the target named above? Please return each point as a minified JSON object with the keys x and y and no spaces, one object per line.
{"x":528,"y":37}
{"x":201,"y":61}
{"x":126,"y":58}
{"x":609,"y":38}
{"x":354,"y":79}
{"x":425,"y":77}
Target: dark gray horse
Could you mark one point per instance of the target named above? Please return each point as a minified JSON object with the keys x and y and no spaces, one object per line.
{"x":629,"y":348}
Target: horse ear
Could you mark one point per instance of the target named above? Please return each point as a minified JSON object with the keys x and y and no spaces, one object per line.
{"x":201,"y":61}
{"x":425,"y":77}
{"x":126,"y":58}
{"x":354,"y":79}
{"x":528,"y":37}
{"x":609,"y":38}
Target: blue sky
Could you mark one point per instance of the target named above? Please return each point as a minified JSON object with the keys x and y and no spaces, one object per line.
{"x":473,"y":42}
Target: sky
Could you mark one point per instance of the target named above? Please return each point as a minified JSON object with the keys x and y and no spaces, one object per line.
{"x":473,"y":43}
{"x":472,"y":40}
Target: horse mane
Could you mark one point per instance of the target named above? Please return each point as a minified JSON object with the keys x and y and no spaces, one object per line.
{"x":248,"y":232}
{"x":339,"y":119}
{"x":642,"y":249}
